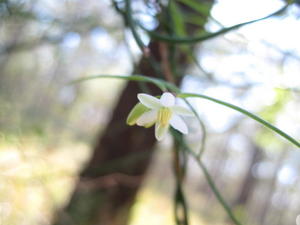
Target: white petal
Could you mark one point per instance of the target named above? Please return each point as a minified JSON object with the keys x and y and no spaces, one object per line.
{"x":178,"y":124}
{"x":167,"y":99}
{"x":149,"y":101}
{"x":147,"y":118}
{"x":182,"y":111}
{"x":160,"y":131}
{"x":298,"y":220}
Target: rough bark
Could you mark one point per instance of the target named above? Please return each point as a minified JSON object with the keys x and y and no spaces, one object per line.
{"x":108,"y":185}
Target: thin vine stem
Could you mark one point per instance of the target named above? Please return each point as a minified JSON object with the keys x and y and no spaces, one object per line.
{"x":164,"y":86}
{"x":190,"y":40}
{"x":181,"y":211}
{"x":131,"y":24}
{"x":217,"y":192}
{"x":209,"y":179}
{"x":245,"y":112}
{"x":203,"y":128}
{"x":158,"y":82}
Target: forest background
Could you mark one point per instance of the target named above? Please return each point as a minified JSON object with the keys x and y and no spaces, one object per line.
{"x":53,"y":132}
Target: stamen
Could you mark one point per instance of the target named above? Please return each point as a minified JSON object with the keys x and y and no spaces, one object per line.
{"x":164,"y":115}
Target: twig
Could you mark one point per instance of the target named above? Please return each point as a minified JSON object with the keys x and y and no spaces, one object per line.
{"x":165,"y":62}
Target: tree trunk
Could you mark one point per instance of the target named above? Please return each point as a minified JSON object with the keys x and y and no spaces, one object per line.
{"x":250,"y":180}
{"x":266,"y":205}
{"x":108,"y":185}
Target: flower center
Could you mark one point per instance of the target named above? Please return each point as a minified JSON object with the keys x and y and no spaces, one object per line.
{"x":164,"y":115}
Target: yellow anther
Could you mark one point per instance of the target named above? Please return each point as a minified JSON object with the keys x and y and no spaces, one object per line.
{"x":164,"y":115}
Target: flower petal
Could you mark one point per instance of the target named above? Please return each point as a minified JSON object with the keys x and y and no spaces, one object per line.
{"x":147,"y":118}
{"x":160,"y":131}
{"x":167,"y":99}
{"x":298,"y":220}
{"x":138,"y":110}
{"x":178,"y":124}
{"x":148,"y":125}
{"x":149,"y":101}
{"x":179,"y":110}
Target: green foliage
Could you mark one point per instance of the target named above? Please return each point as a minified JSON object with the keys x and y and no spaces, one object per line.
{"x":201,"y":38}
{"x":177,"y":19}
{"x":271,"y":113}
{"x":180,"y":206}
{"x":180,"y":16}
{"x":163,"y":85}
{"x":203,"y":8}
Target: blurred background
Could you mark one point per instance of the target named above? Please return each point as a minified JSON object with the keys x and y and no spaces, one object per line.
{"x":49,"y":127}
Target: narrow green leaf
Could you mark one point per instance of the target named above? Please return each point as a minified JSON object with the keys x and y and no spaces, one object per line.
{"x":163,"y":85}
{"x":189,"y":40}
{"x":203,"y":8}
{"x":203,"y":128}
{"x":177,"y":18}
{"x":245,"y":112}
{"x":208,"y":178}
{"x":132,"y":25}
{"x":194,"y":19}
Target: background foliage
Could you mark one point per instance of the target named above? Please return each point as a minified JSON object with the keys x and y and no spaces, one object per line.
{"x":47,"y":125}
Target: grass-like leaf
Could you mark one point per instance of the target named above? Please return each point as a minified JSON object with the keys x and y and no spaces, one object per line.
{"x":161,"y":84}
{"x":245,"y":112}
{"x":164,"y":85}
{"x":190,"y":40}
{"x":208,"y":178}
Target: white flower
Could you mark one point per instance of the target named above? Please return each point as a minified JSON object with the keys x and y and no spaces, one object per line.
{"x":163,"y":112}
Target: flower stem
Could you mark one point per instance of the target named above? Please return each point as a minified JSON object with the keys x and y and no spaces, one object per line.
{"x":209,"y":179}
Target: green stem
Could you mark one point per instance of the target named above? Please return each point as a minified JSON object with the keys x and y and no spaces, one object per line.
{"x":245,"y":112}
{"x":179,"y":160}
{"x":180,"y":204}
{"x":217,"y":193}
{"x":209,"y":179}
{"x":189,"y":40}
{"x":158,"y":82}
{"x":203,"y":128}
{"x":164,"y":85}
{"x":131,"y":25}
